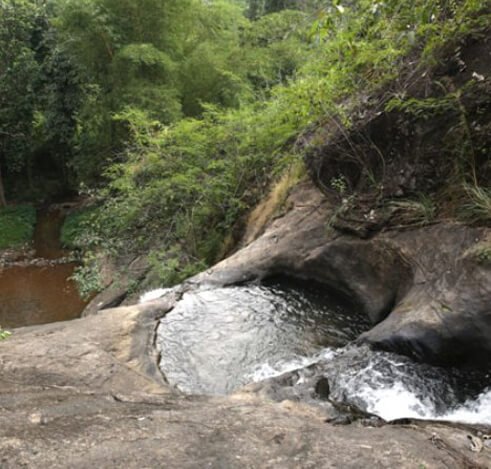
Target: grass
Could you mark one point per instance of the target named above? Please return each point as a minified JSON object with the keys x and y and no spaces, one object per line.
{"x":74,"y":226}
{"x":477,"y":207}
{"x":274,"y":202}
{"x":16,"y":225}
{"x":418,"y":212}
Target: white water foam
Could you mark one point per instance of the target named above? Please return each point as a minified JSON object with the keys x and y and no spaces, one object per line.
{"x":397,"y":402}
{"x":389,"y":400}
{"x":473,"y":410}
{"x":394,"y":402}
{"x":266,"y":370}
{"x":153,"y":294}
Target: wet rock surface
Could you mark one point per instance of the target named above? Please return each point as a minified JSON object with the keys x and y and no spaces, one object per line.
{"x":87,"y":393}
{"x":445,"y":317}
{"x":356,"y":383}
{"x":426,"y":290}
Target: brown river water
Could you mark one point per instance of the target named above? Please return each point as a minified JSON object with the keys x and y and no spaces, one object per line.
{"x":41,"y":292}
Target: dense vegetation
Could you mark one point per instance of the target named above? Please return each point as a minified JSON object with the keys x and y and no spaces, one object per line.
{"x":16,"y":225}
{"x":174,"y":116}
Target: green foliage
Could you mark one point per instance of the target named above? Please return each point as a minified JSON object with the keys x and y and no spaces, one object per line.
{"x":39,"y":95}
{"x":258,"y":8}
{"x":88,"y":277}
{"x":273,"y":49}
{"x":16,"y":225}
{"x":483,"y":255}
{"x":169,"y":267}
{"x":71,"y":66}
{"x":339,"y":184}
{"x":74,"y":226}
{"x":214,"y":83}
{"x":177,"y":190}
{"x":178,"y":113}
{"x":180,"y":190}
{"x":128,"y":52}
{"x":4,"y":334}
{"x":18,"y":74}
{"x":477,"y":204}
{"x":425,"y":108}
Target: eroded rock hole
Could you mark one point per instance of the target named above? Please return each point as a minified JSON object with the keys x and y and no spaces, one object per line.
{"x":215,"y":341}
{"x":294,"y":341}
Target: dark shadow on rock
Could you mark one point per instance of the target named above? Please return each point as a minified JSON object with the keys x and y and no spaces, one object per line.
{"x":426,"y":289}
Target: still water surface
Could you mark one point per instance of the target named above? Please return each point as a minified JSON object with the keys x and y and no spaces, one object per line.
{"x":42,"y":291}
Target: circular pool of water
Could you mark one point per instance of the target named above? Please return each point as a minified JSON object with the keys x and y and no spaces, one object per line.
{"x":214,"y":341}
{"x":218,"y":340}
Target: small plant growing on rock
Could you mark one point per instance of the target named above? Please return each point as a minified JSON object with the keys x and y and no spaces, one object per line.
{"x":481,"y":252}
{"x":484,"y":255}
{"x":339,"y":184}
{"x":418,"y":212}
{"x":477,"y":207}
{"x":4,"y":334}
{"x":88,"y":276}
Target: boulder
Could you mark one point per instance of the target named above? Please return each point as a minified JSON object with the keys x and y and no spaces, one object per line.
{"x":445,"y":317}
{"x":427,"y":290}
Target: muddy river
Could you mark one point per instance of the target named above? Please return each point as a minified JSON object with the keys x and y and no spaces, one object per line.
{"x":40,"y":291}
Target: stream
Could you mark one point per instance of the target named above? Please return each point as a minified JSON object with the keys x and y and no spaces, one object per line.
{"x":216,"y":341}
{"x":39,"y":290}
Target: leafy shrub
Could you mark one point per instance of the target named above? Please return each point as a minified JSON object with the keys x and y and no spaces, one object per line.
{"x":74,"y":226}
{"x":178,"y":190}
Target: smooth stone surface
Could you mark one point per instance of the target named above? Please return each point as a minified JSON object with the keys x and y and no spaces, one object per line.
{"x":426,"y":289}
{"x":86,"y":394}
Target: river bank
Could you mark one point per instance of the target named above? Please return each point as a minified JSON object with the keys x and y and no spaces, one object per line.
{"x":390,"y":212}
{"x":90,"y":391}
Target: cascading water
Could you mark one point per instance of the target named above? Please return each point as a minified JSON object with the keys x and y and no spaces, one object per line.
{"x":218,"y":340}
{"x":391,"y":386}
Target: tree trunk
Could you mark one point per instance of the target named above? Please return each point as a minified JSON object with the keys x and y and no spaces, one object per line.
{"x":3,"y":201}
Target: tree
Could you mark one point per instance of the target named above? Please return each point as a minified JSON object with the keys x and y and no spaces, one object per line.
{"x":211,"y":72}
{"x":258,"y":8}
{"x":129,"y":51}
{"x":40,"y":95}
{"x":3,"y":200}
{"x":18,"y":74}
